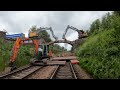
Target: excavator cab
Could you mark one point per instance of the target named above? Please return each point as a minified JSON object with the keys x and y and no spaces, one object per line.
{"x":42,"y":56}
{"x":44,"y":52}
{"x":32,"y":34}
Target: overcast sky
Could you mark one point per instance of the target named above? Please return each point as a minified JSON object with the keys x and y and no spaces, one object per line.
{"x":20,"y":21}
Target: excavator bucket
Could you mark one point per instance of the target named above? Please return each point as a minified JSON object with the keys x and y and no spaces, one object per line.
{"x":84,"y":35}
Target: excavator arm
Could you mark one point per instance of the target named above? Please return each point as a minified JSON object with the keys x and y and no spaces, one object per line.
{"x":16,"y":47}
{"x":63,"y":37}
{"x":15,"y":50}
{"x":80,"y":32}
{"x":42,"y":29}
{"x":36,"y":46}
{"x":56,"y":38}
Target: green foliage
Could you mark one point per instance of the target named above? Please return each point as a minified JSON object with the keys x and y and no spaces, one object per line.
{"x":58,"y":49}
{"x":33,"y":28}
{"x":23,"y":56}
{"x":95,"y":26}
{"x":4,"y":54}
{"x":43,"y":34}
{"x":100,"y":53}
{"x":116,"y":13}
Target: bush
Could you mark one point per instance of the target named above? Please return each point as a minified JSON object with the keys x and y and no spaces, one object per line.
{"x":23,"y":56}
{"x":100,"y":53}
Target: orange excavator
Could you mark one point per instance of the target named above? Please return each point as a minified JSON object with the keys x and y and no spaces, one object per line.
{"x":34,"y":42}
{"x":33,"y":39}
{"x":16,"y":47}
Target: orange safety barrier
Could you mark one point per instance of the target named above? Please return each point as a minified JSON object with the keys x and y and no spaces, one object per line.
{"x":74,"y":61}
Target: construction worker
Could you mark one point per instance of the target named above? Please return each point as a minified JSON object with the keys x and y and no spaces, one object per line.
{"x":50,"y":54}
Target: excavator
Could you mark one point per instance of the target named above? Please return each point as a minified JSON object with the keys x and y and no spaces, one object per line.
{"x":33,"y":34}
{"x":33,"y":38}
{"x":81,"y":33}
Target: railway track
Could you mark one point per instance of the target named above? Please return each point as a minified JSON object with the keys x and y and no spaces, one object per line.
{"x":59,"y":72}
{"x":21,"y":73}
{"x":64,"y":72}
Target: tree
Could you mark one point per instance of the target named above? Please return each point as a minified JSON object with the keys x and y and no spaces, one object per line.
{"x":104,"y":20}
{"x":97,"y":22}
{"x":33,"y":28}
{"x":88,"y":32}
{"x":108,"y":21}
{"x":95,"y":26}
{"x":92,"y":27}
{"x":43,"y":34}
{"x":116,"y":13}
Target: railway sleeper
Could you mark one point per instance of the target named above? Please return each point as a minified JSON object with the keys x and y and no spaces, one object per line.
{"x":20,"y":75}
{"x":14,"y":77}
{"x":64,"y":73}
{"x":64,"y":77}
{"x":65,"y":70}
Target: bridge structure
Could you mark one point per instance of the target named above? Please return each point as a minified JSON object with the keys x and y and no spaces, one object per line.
{"x":75,"y":43}
{"x":72,"y":43}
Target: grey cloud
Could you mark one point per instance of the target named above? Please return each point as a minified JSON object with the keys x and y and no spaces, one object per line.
{"x":58,"y":20}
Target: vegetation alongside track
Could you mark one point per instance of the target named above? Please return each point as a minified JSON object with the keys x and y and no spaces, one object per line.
{"x":100,"y":52}
{"x":23,"y":56}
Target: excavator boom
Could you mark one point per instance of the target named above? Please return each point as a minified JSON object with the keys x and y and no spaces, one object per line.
{"x":17,"y":44}
{"x":15,"y":50}
{"x":35,"y":33}
{"x":80,"y":32}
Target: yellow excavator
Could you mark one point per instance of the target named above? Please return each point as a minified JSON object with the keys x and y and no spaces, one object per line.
{"x":33,"y":34}
{"x":44,"y":46}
